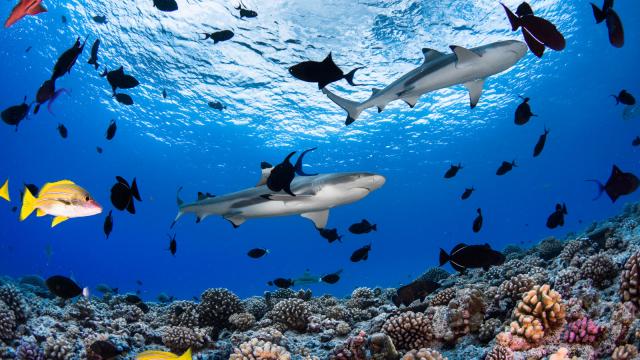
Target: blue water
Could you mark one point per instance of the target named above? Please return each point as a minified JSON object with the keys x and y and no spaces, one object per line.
{"x":180,"y":141}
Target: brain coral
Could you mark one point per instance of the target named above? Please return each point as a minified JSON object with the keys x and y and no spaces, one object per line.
{"x":14,"y":299}
{"x":600,"y":269}
{"x":259,"y":350}
{"x":629,"y":281}
{"x":423,"y":354}
{"x":293,"y":313}
{"x":539,"y":310}
{"x":216,"y":306}
{"x":409,"y":330}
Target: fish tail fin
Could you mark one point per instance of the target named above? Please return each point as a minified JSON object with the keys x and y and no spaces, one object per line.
{"x":4,"y":191}
{"x":134,"y":190}
{"x":28,"y":204}
{"x":104,"y":73}
{"x":617,"y":99}
{"x":37,"y":10}
{"x":600,"y":188}
{"x":351,"y":107}
{"x":36,"y":109}
{"x":349,"y":76}
{"x":298,"y":166}
{"x":374,"y":227}
{"x":55,"y":95}
{"x":513,"y":18}
{"x":598,"y":14}
{"x":444,"y":257}
{"x":186,"y":355}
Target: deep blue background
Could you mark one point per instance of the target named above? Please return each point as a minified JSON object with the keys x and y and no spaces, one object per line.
{"x":182,"y":142}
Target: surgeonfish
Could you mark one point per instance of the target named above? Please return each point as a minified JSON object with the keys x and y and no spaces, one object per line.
{"x":4,"y":191}
{"x":163,"y":355}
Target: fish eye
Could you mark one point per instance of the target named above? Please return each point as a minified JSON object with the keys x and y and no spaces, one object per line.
{"x":87,"y":198}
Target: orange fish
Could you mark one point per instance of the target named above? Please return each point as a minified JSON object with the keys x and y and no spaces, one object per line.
{"x":24,"y":8}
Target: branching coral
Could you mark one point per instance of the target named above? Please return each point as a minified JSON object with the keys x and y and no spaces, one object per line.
{"x":630,"y":280}
{"x":566,"y":279}
{"x":443,"y":297}
{"x":515,"y":287}
{"x":29,"y":350}
{"x":434,"y":274}
{"x":489,"y":329}
{"x":293,"y":313}
{"x":362,"y":298}
{"x":14,"y":299}
{"x":499,"y":353}
{"x":625,"y":352}
{"x":259,"y":350}
{"x":582,"y":331}
{"x":256,"y":306}
{"x":352,"y":349}
{"x":600,"y":269}
{"x":216,"y":306}
{"x":539,"y":310}
{"x":570,"y":249}
{"x":179,"y":339}
{"x":242,"y":321}
{"x":423,"y":354}
{"x":183,"y":313}
{"x":7,"y":322}
{"x":59,"y":349}
{"x":549,"y":248}
{"x":409,"y":330}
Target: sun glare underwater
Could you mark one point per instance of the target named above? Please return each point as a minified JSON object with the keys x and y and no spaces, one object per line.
{"x":373,"y":178}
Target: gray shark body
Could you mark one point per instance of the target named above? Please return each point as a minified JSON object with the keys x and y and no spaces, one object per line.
{"x":315,"y":196}
{"x":469,"y":67}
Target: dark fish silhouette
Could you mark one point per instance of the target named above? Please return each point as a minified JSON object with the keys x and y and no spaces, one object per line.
{"x":165,"y":5}
{"x":477,"y":222}
{"x":324,"y":72}
{"x":119,"y":80}
{"x":63,"y":287}
{"x":540,"y":144}
{"x":330,"y":234}
{"x":132,"y":299}
{"x":63,"y":131}
{"x":218,"y":36}
{"x":164,"y":93}
{"x":636,"y":141}
{"x":523,"y":112}
{"x":363,"y":227}
{"x":361,"y":254}
{"x":63,"y":19}
{"x":28,"y":49}
{"x":283,"y":174}
{"x":281,"y":283}
{"x":111,"y":130}
{"x":173,"y":244}
{"x":331,"y":278}
{"x":419,"y":289}
{"x":246,"y":12}
{"x":624,"y":98}
{"x":13,"y":115}
{"x":257,"y":253}
{"x":93,"y":60}
{"x":619,"y":184}
{"x":506,"y":167}
{"x":99,"y":149}
{"x":557,"y":217}
{"x":537,"y":31}
{"x":123,"y":98}
{"x":100,"y":19}
{"x":122,"y":195}
{"x":67,"y":60}
{"x":105,"y":349}
{"x":453,"y":170}
{"x":108,"y":224}
{"x":47,"y":93}
{"x":614,"y":24}
{"x":467,"y":193}
{"x":465,"y":256}
{"x":217,"y":105}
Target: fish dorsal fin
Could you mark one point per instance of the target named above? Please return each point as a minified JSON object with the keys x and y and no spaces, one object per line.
{"x":524,"y":9}
{"x":201,"y":196}
{"x":475,"y":91}
{"x":319,"y":218}
{"x":615,"y":171}
{"x":328,"y":59}
{"x":47,"y":186}
{"x":431,"y":54}
{"x":458,"y":248}
{"x":486,"y":245}
{"x":58,"y":219}
{"x":464,"y":55}
{"x":375,"y":91}
{"x":264,"y":175}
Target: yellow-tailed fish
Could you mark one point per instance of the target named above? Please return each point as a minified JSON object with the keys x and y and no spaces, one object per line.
{"x":163,"y":355}
{"x":4,"y":191}
{"x":61,"y":199}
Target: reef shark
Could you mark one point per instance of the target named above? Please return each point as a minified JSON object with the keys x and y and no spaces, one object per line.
{"x":315,"y":196}
{"x":469,"y":67}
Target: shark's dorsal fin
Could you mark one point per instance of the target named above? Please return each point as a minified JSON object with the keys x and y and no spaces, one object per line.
{"x":266,"y":171}
{"x":430,"y":54}
{"x":319,"y":218}
{"x":464,"y":55}
{"x":475,"y":91}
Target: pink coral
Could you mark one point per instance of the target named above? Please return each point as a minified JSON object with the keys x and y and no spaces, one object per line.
{"x":583,"y":331}
{"x":352,"y":349}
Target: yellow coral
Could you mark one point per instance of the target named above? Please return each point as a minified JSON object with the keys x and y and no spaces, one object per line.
{"x":539,"y":310}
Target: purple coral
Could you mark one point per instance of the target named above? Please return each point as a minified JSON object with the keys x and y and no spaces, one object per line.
{"x":583,"y":331}
{"x":28,"y":350}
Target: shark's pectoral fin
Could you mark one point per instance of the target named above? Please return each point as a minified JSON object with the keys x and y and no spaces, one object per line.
{"x":475,"y":91}
{"x":380,"y":108}
{"x":411,"y":100}
{"x":235,"y":220}
{"x":430,"y":54}
{"x":464,"y":56}
{"x":319,"y":218}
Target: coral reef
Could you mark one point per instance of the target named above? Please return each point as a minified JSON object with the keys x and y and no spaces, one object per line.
{"x":583,"y":331}
{"x":7,"y":322}
{"x":539,"y":310}
{"x":423,"y":354}
{"x":216,"y":306}
{"x":409,"y":330}
{"x":629,"y":280}
{"x":600,"y":269}
{"x":256,"y":349}
{"x":292,"y":313}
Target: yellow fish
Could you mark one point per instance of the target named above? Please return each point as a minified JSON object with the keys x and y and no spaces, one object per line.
{"x":163,"y":355}
{"x":4,"y":191}
{"x":61,"y":199}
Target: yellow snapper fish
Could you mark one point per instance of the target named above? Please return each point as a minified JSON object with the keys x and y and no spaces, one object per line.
{"x":61,"y":199}
{"x":4,"y":191}
{"x":162,"y":355}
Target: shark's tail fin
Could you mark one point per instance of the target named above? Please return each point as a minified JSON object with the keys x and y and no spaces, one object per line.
{"x":351,"y":107}
{"x":179,"y":201}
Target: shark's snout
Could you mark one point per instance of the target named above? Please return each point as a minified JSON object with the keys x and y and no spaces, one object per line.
{"x":377,"y":181}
